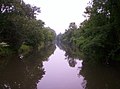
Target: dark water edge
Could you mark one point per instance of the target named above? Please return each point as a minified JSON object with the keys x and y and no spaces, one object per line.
{"x":101,"y":76}
{"x":24,"y":73}
{"x":57,"y":68}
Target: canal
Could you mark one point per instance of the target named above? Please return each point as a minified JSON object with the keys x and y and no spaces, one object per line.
{"x":59,"y":74}
{"x":56,"y":68}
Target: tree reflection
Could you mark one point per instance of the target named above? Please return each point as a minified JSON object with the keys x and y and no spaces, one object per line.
{"x":71,"y":53}
{"x":16,"y":73}
{"x":72,"y":62}
{"x":98,"y":76}
{"x":95,"y":75}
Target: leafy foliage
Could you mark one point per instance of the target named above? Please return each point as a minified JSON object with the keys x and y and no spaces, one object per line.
{"x":18,"y":25}
{"x":98,"y":36}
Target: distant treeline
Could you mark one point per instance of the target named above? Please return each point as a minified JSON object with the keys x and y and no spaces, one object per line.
{"x":97,"y":37}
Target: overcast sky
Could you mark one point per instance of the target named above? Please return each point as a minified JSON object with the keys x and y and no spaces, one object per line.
{"x":57,"y":14}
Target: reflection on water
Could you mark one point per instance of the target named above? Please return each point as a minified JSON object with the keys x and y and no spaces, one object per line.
{"x":59,"y":74}
{"x":62,"y":70}
{"x":100,"y":77}
{"x":17,"y":73}
{"x":95,"y":75}
{"x":20,"y":75}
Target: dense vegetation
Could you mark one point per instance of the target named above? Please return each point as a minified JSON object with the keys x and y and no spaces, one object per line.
{"x":98,"y":36}
{"x":19,"y":28}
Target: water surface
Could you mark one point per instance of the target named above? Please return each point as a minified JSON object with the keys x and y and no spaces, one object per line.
{"x":49,"y":69}
{"x":59,"y":74}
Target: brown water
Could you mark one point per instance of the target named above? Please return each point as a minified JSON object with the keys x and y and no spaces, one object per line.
{"x":51,"y":69}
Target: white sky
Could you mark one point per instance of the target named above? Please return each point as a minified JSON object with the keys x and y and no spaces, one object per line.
{"x":57,"y":14}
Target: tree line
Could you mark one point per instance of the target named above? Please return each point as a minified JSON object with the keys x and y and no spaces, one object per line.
{"x":19,"y":26}
{"x":97,"y":37}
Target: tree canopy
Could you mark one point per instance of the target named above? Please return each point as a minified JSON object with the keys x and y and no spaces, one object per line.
{"x":18,"y":25}
{"x":98,"y":36}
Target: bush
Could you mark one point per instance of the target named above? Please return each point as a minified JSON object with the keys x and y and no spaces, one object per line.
{"x":24,"y":49}
{"x":5,"y":51}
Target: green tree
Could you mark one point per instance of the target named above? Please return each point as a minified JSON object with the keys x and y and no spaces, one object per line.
{"x":18,"y":25}
{"x":98,"y":36}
